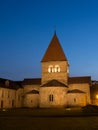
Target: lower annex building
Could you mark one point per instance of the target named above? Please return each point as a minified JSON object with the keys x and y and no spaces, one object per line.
{"x":54,"y":89}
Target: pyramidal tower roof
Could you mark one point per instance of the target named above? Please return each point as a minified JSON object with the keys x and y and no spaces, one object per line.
{"x":54,"y":51}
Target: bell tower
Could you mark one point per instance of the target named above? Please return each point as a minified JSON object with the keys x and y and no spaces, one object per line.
{"x":54,"y":63}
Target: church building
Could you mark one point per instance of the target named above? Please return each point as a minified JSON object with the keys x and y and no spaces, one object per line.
{"x":55,"y":89}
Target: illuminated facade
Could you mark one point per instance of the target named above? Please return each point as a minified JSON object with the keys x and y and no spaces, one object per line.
{"x":54,"y":89}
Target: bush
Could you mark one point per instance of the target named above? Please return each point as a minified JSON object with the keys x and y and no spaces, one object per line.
{"x":90,"y":109}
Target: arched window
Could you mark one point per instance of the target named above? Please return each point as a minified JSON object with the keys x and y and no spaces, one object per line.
{"x":50,"y":68}
{"x":57,"y":68}
{"x":51,"y":98}
{"x":74,"y":100}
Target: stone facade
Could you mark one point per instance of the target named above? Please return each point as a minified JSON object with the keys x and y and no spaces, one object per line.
{"x":85,"y":87}
{"x":31,"y":96}
{"x":9,"y":95}
{"x":54,"y":89}
{"x":28,"y":88}
{"x":49,"y":97}
{"x":62,"y":75}
{"x":19,"y":97}
{"x":31,"y":100}
{"x":76,"y":99}
{"x":10,"y":98}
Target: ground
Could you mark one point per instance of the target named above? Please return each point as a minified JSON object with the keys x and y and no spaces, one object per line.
{"x":47,"y":119}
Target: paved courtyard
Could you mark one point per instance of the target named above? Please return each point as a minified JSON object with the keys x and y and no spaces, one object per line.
{"x":43,"y":120}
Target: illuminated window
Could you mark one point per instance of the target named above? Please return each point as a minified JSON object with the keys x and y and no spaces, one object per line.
{"x":50,"y":69}
{"x":57,"y":68}
{"x":51,"y":98}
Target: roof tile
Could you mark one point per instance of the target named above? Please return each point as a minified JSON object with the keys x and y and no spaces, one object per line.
{"x":54,"y":51}
{"x":32,"y":81}
{"x":53,"y":83}
{"x":85,"y":79}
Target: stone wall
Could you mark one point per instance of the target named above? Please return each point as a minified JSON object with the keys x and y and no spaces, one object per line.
{"x":61,"y":76}
{"x":7,"y":98}
{"x":28,"y":88}
{"x":59,"y":97}
{"x":76,"y":99}
{"x":31,"y":100}
{"x":85,"y":87}
{"x":94,"y":102}
{"x":19,"y":97}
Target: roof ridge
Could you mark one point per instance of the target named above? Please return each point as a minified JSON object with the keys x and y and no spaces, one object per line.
{"x":53,"y":82}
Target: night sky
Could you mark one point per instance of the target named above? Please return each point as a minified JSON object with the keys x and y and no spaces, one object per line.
{"x":26,"y":29}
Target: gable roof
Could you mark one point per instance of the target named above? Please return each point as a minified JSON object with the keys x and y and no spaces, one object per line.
{"x":75,"y":91}
{"x":78,"y":80}
{"x":11,"y":84}
{"x":53,"y":83}
{"x":54,"y":51}
{"x":33,"y":92}
{"x":32,"y":81}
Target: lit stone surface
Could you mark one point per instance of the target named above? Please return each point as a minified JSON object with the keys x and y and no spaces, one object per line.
{"x":28,"y":88}
{"x":7,"y":98}
{"x":59,"y":96}
{"x":83,"y":87}
{"x":19,"y":97}
{"x":76,"y":99}
{"x":31,"y":100}
{"x":61,"y":76}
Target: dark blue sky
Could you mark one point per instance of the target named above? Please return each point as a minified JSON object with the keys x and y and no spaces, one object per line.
{"x":26,"y":29}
